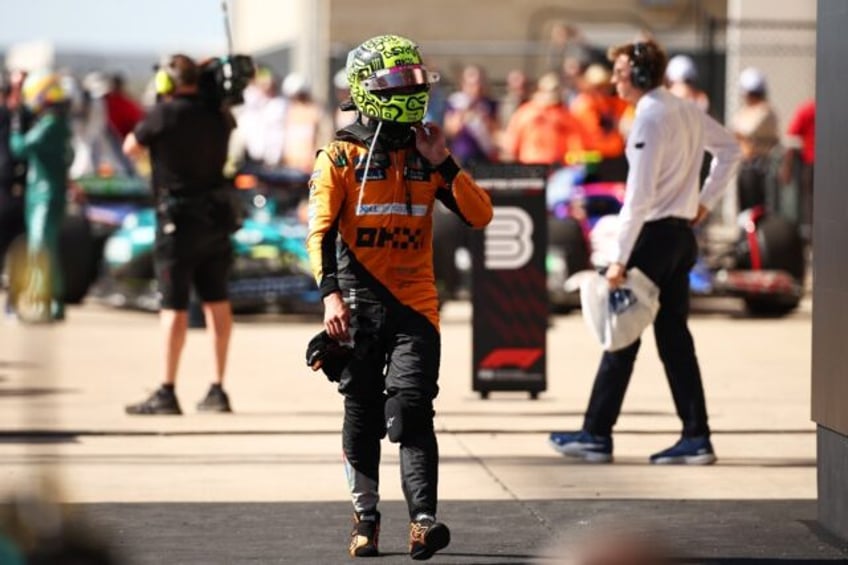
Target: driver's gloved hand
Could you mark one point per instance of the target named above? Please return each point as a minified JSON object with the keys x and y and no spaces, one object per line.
{"x":325,"y":353}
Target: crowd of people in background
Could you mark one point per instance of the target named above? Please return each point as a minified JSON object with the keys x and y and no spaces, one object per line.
{"x":569,"y":111}
{"x":570,"y":108}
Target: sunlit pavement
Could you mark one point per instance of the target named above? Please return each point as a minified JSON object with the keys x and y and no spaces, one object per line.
{"x":266,"y":484}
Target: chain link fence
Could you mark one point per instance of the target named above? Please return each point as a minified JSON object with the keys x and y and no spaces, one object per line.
{"x":785,"y":51}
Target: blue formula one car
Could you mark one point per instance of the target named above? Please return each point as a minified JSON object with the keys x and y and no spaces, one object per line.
{"x":760,"y":259}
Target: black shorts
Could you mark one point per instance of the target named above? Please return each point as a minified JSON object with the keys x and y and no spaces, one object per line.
{"x":201,"y":257}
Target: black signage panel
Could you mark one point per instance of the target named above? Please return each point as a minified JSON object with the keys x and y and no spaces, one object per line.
{"x":509,"y":290}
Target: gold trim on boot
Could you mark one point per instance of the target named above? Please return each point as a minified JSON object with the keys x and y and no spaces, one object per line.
{"x":426,"y":537}
{"x":364,"y":537}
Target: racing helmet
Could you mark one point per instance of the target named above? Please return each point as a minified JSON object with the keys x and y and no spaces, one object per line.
{"x":388,"y":81}
{"x":42,"y":88}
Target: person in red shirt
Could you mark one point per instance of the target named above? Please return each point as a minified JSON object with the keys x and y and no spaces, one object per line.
{"x":123,"y":112}
{"x":799,"y":159}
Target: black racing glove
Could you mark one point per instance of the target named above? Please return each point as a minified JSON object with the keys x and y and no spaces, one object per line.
{"x":325,"y":353}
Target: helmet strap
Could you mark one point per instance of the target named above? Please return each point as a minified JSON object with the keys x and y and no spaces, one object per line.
{"x":367,"y":168}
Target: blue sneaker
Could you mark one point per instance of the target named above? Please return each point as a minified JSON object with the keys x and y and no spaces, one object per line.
{"x":583,"y":445}
{"x":687,"y":451}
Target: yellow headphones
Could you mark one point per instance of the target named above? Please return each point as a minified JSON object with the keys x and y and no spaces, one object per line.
{"x":163,"y":80}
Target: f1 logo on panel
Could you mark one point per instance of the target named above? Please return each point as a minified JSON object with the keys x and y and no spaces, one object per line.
{"x":508,"y":239}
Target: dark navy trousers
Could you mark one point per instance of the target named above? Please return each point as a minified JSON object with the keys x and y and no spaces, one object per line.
{"x":665,"y":251}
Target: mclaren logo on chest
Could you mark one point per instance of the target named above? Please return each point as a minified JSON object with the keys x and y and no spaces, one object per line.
{"x":396,"y":238}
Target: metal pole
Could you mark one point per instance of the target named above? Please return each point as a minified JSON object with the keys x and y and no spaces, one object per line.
{"x":226,"y":13}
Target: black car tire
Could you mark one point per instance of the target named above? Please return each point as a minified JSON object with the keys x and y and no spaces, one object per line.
{"x":567,"y":236}
{"x":781,"y":248}
{"x":771,"y":306}
{"x":77,"y":256}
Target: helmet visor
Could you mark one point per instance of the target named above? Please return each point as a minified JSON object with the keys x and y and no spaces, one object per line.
{"x":400,"y":78}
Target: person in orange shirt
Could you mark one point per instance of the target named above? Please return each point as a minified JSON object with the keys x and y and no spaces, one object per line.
{"x":542,"y":130}
{"x":600,"y":112}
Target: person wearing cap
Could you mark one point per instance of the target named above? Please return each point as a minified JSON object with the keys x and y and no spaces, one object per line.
{"x":681,"y":76}
{"x":755,"y":125}
{"x":662,"y":202}
{"x":46,"y":146}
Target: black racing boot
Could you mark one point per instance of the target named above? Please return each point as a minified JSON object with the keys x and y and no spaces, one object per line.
{"x":426,"y":537}
{"x":365,"y":535}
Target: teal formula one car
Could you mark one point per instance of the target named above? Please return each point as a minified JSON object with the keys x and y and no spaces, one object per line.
{"x":271,"y":268}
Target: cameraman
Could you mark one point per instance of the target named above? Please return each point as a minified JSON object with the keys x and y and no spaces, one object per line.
{"x":187,"y":138}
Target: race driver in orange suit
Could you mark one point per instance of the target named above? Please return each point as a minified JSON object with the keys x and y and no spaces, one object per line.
{"x":370,"y":244}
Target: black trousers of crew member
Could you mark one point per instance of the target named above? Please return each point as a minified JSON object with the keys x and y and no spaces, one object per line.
{"x":401,"y":363}
{"x":665,"y":251}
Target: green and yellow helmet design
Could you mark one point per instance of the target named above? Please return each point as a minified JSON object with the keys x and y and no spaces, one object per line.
{"x":42,"y":88}
{"x":387,"y":80}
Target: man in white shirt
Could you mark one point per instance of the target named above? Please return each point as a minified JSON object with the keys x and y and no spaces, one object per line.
{"x":662,"y":202}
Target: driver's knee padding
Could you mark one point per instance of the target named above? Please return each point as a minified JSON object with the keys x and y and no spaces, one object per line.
{"x":394,"y":419}
{"x":405,"y":420}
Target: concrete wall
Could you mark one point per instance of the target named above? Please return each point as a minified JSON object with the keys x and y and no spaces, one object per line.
{"x":832,"y":450}
{"x":506,"y":34}
{"x":258,"y":25}
{"x":830,"y":292}
{"x":297,"y":26}
{"x":830,"y":232}
{"x":500,"y":34}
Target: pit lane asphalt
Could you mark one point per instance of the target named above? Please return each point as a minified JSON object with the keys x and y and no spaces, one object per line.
{"x":265,"y":485}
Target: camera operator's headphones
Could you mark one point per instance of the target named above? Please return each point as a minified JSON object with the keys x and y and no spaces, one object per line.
{"x":175,"y":71}
{"x":165,"y":80}
{"x":641,"y":67}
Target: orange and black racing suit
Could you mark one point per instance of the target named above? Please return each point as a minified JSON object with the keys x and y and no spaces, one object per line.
{"x":383,"y":266}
